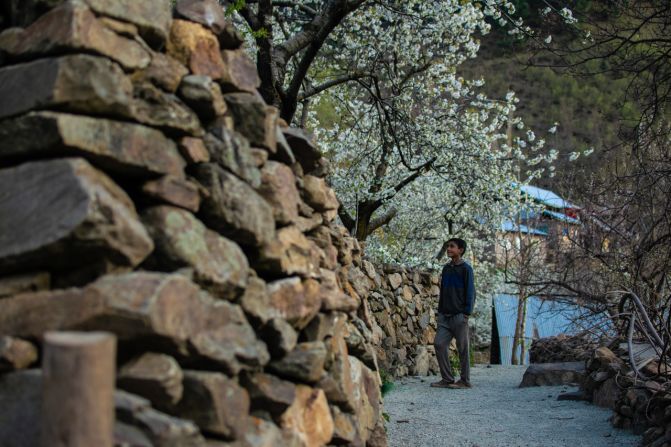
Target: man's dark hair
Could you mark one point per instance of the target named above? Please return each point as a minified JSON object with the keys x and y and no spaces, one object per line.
{"x":459,"y":242}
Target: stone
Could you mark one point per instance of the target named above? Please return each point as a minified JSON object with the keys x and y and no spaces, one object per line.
{"x":269,"y":393}
{"x":24,"y":12}
{"x":318,"y":194}
{"x":174,"y":191}
{"x":333,"y":298}
{"x":422,"y":361}
{"x":395,"y":281}
{"x":72,"y":27}
{"x":367,"y":398}
{"x":167,"y":310}
{"x":369,"y":268}
{"x":542,"y":374}
{"x":181,"y":240}
{"x":262,"y":433}
{"x":203,"y":95}
{"x":232,"y":152}
{"x":20,"y":406}
{"x":164,"y":72}
{"x":234,"y":208}
{"x":305,"y":363}
{"x":358,"y":280}
{"x":156,"y":108}
{"x":303,"y":148}
{"x":253,"y":119}
{"x":294,"y":300}
{"x":197,"y":48}
{"x":308,"y":224}
{"x":80,"y":83}
{"x":278,"y":187}
{"x":378,"y":437}
{"x":255,"y":302}
{"x":215,"y":403}
{"x":161,"y":429}
{"x":66,"y":205}
{"x":321,"y":326}
{"x":154,"y":376}
{"x":23,"y":283}
{"x":344,"y":428}
{"x":337,"y":384}
{"x":152,"y":18}
{"x":193,"y":150}
{"x":211,"y":14}
{"x":284,"y":153}
{"x":260,"y":157}
{"x":127,"y":435}
{"x":309,"y":417}
{"x":608,"y":394}
{"x":122,"y":28}
{"x":9,"y":38}
{"x":240,"y":73}
{"x":124,"y":148}
{"x":289,"y":253}
{"x":16,"y":354}
{"x":279,"y":336}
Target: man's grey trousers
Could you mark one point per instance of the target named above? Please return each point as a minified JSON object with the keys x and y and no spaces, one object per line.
{"x":449,"y":327}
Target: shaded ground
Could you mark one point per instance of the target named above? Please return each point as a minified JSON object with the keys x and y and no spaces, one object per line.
{"x":495,"y":413}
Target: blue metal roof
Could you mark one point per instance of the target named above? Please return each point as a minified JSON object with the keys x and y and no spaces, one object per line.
{"x":562,"y":217}
{"x":509,"y":225}
{"x":545,"y":318}
{"x":546,"y":197}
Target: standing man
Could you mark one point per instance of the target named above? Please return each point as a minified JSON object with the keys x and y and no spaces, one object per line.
{"x":457,"y":296}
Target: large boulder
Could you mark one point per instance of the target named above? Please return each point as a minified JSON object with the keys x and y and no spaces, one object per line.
{"x":183,"y":241}
{"x":234,"y":208}
{"x":79,"y":83}
{"x":542,"y":374}
{"x":210,"y":14}
{"x":65,"y":206}
{"x":152,"y":18}
{"x":168,"y":311}
{"x":215,"y":403}
{"x":197,"y":48}
{"x":119,"y":147}
{"x":309,"y":417}
{"x":254,"y":119}
{"x":73,"y":27}
{"x":154,"y":376}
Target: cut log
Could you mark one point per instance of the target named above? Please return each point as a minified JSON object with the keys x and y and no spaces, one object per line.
{"x":78,"y":390}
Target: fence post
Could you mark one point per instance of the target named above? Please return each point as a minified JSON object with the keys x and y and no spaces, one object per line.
{"x":78,"y":389}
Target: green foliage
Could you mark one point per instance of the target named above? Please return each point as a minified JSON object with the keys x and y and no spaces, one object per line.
{"x":455,"y":364}
{"x":387,"y":382}
{"x":234,"y":7}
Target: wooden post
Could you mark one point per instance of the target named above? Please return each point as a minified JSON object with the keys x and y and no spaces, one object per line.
{"x":78,"y":389}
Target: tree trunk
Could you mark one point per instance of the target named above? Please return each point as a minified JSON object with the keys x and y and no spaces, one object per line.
{"x":520,"y":325}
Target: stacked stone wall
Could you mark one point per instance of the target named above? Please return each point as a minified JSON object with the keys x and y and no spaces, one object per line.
{"x":147,"y":190}
{"x":402,"y":305}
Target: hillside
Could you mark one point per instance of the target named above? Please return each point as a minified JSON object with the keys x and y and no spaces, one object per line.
{"x":589,"y":110}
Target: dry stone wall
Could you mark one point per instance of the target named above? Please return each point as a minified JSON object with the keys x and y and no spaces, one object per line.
{"x":402,"y":304}
{"x":147,"y":190}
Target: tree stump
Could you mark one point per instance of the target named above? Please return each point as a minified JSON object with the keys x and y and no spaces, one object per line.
{"x":78,"y":389}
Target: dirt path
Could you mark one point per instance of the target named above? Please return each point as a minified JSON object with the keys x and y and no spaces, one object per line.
{"x":495,"y":413}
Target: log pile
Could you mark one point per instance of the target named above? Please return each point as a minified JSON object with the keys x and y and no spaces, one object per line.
{"x":148,"y":191}
{"x":640,"y":402}
{"x":562,"y":348}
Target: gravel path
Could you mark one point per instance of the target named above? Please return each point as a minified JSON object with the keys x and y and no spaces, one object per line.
{"x":495,"y":413}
